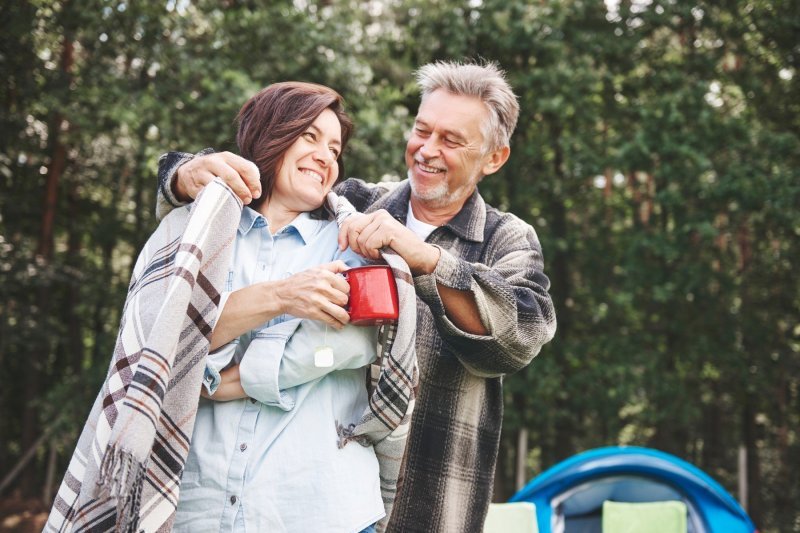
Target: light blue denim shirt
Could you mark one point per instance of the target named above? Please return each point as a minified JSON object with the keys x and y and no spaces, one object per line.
{"x":272,"y":462}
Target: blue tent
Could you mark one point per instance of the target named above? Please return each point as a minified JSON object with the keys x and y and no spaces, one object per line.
{"x":570,"y":495}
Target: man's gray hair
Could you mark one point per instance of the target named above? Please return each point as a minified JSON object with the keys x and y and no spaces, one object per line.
{"x":486,"y":82}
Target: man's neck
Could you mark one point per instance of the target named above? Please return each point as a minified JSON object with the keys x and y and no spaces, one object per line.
{"x":434,"y":215}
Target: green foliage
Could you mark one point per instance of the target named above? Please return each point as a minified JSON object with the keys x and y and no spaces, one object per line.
{"x":656,"y":155}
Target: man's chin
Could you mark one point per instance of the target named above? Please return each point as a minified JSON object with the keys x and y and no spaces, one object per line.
{"x":430,"y":195}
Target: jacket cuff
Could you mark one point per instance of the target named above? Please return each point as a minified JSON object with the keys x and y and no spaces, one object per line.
{"x":454,"y":273}
{"x":450,"y":272}
{"x":168,"y":165}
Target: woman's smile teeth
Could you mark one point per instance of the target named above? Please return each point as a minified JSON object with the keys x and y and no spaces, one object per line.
{"x":312,"y":174}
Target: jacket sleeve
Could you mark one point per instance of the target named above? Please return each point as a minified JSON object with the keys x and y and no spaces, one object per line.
{"x":513,"y":302}
{"x":168,"y":165}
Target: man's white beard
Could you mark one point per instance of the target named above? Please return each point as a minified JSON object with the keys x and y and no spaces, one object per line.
{"x":440,"y":195}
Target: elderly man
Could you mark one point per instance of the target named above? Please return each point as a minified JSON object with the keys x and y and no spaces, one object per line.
{"x":483,"y":307}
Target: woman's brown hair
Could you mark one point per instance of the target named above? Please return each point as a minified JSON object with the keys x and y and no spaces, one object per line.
{"x":272,"y":120}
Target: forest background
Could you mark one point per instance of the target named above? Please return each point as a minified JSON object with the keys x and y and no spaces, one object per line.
{"x":657,"y":156}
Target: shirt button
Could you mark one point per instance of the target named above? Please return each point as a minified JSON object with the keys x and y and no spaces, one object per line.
{"x":233,"y":500}
{"x":243,"y":446}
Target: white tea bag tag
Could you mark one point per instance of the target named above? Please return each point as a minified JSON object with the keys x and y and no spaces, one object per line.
{"x":323,"y":357}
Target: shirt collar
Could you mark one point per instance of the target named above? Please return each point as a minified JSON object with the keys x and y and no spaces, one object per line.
{"x":305,"y":226}
{"x":249,"y":219}
{"x":468,"y":223}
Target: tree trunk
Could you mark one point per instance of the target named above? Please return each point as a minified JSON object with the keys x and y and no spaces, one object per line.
{"x":44,"y":254}
{"x":712,"y":433}
{"x":70,"y":314}
{"x":522,"y":459}
{"x":753,"y":465}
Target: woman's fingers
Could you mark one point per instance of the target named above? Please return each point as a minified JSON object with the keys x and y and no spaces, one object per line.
{"x":318,"y":293}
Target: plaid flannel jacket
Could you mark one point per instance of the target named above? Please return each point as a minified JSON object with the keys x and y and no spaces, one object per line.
{"x":446,"y":481}
{"x":446,"y":484}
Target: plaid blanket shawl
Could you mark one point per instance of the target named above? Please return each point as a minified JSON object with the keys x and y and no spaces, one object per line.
{"x":386,"y":422}
{"x":125,"y":472}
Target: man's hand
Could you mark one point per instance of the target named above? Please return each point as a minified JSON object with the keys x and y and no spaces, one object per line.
{"x":367,"y":234}
{"x":318,"y":293}
{"x":241,"y":175}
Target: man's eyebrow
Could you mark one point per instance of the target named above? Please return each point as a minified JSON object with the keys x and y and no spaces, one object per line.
{"x":455,"y":135}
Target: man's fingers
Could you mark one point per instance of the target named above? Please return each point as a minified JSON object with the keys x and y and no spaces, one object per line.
{"x":372,"y":239}
{"x":345,"y":232}
{"x":239,"y":174}
{"x":220,"y":168}
{"x":366,"y":235}
{"x":351,"y":228}
{"x":247,"y":170}
{"x":198,"y":178}
{"x":342,"y":238}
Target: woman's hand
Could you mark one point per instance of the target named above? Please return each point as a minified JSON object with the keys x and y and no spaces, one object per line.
{"x":318,"y":293}
{"x":230,"y":387}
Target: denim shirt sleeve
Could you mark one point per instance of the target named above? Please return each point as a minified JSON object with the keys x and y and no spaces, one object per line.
{"x":260,"y":365}
{"x":222,"y":356}
{"x":281,"y":357}
{"x":218,"y":360}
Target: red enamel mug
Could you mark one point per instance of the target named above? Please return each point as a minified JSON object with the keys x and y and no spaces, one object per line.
{"x":373,"y":295}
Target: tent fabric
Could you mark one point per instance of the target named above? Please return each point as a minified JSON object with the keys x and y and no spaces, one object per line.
{"x":649,"y":517}
{"x":569,"y":496}
{"x":517,"y":517}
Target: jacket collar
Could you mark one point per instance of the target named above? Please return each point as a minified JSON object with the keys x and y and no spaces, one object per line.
{"x":468,"y":223}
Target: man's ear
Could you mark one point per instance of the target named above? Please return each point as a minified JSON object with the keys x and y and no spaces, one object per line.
{"x":495,"y":159}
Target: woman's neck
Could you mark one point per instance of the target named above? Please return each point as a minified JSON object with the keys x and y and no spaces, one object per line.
{"x":278,"y":216}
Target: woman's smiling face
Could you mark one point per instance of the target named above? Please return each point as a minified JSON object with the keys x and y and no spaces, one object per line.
{"x":309,"y":168}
